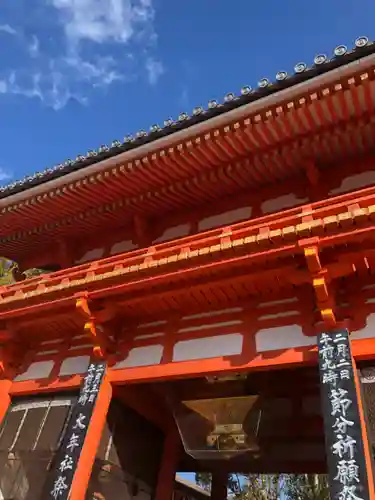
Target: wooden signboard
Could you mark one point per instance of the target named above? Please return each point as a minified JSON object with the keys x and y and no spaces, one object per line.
{"x":345,"y":446}
{"x":60,"y":478}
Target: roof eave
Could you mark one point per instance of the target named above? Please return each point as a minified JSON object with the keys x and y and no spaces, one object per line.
{"x":221,"y":120}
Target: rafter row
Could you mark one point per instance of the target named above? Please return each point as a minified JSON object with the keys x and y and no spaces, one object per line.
{"x":248,"y":136}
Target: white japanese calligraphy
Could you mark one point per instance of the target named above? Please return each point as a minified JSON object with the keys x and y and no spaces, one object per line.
{"x":347,"y":472}
{"x":341,"y":425}
{"x":328,"y":364}
{"x":345,"y":445}
{"x":339,"y":402}
{"x":325,"y":339}
{"x":83,"y":398}
{"x":327,"y":352}
{"x":59,"y":487}
{"x":79,"y":422}
{"x":345,"y":374}
{"x":73,"y":442}
{"x":66,"y":464}
{"x":349,"y":493}
{"x":342,"y":351}
{"x":342,"y":363}
{"x":330,"y":377}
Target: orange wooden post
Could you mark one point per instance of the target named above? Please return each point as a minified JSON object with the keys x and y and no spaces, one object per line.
{"x":5,"y":385}
{"x":168,"y":467}
{"x":367,"y":450}
{"x":94,"y":433}
{"x":219,"y":487}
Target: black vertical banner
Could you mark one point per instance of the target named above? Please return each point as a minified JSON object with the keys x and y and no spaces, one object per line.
{"x":347,"y":471}
{"x":64,"y":465}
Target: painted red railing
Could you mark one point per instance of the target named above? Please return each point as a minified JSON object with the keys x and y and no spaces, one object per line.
{"x":289,"y":218}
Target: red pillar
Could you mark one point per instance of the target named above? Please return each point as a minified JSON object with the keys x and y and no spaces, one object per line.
{"x":4,"y":397}
{"x":168,"y":467}
{"x":94,"y":433}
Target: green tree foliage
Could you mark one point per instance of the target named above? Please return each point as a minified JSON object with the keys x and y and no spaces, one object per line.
{"x":252,"y":486}
{"x":306,"y":487}
{"x":272,"y":486}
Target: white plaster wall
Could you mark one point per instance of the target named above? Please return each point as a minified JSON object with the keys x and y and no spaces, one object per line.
{"x":270,"y":303}
{"x":283,"y":337}
{"x":36,"y":371}
{"x":152,"y":323}
{"x":94,"y":254}
{"x":282,"y":202}
{"x":141,"y":356}
{"x":123,"y":246}
{"x":173,"y":233}
{"x":225,"y":218}
{"x":368,"y":332}
{"x":210,"y":314}
{"x":356,"y":181}
{"x":209,"y":326}
{"x":283,"y":314}
{"x":74,"y":365}
{"x":211,"y":347}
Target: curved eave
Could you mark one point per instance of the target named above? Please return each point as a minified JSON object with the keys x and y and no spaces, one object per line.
{"x":328,"y":118}
{"x":237,"y":103}
{"x":266,"y":102}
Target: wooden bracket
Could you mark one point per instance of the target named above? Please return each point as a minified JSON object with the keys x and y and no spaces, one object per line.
{"x":321,"y":284}
{"x":103,"y":344}
{"x":12,"y":358}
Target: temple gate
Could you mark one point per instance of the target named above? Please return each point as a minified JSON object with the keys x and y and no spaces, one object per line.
{"x":198,"y":298}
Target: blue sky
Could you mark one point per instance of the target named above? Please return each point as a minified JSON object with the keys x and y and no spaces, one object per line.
{"x":75,"y":74}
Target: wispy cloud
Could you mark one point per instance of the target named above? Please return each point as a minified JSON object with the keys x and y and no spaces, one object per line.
{"x":5,"y":175}
{"x":33,"y":46}
{"x":95,"y":43}
{"x":155,"y":70}
{"x":184,"y":97}
{"x":6,"y":28}
{"x":3,"y":87}
{"x":103,"y":20}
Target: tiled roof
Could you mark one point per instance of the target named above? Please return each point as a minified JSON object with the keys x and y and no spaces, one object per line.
{"x":302,"y":72}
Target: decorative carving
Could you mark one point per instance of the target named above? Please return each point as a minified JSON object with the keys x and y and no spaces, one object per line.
{"x":12,"y":356}
{"x":324,"y":297}
{"x":103,"y":344}
{"x":10,"y":272}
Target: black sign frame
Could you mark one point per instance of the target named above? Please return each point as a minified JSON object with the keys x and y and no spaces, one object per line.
{"x":60,"y":477}
{"x":345,"y":447}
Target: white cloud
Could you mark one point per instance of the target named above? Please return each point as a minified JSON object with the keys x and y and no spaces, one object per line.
{"x":155,"y":70}
{"x":94,"y":44}
{"x":6,"y":28}
{"x":103,"y":20}
{"x":5,"y":175}
{"x":54,"y":88}
{"x":33,"y":47}
{"x":3,"y":87}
